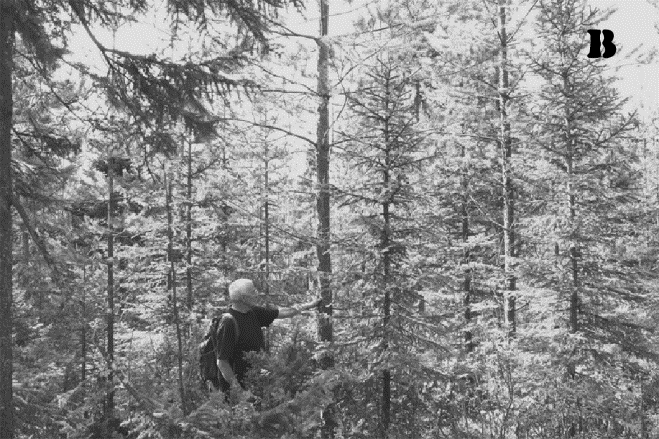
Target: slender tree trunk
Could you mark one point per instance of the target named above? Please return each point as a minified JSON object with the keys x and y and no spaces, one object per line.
{"x":418,"y":100}
{"x":506,"y":150}
{"x":573,"y":245}
{"x":466,"y":285}
{"x":172,"y":277}
{"x":325,"y":329}
{"x":6,"y":107}
{"x":109,"y":316}
{"x":574,"y":287}
{"x":83,"y":327}
{"x":188,"y":229}
{"x":266,"y":218}
{"x":266,"y":231}
{"x":386,"y":373}
{"x":386,"y":265}
{"x":574,"y":251}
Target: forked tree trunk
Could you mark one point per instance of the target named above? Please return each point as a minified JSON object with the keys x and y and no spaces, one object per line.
{"x":6,"y":109}
{"x":325,"y":329}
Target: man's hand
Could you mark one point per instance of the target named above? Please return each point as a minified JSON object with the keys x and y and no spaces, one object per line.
{"x":285,"y":313}
{"x":313,"y":304}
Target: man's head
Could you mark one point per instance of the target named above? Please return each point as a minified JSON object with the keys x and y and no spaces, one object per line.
{"x":244,"y":292}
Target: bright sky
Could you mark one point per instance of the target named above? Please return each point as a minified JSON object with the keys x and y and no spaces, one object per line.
{"x":148,"y":37}
{"x":633,"y":25}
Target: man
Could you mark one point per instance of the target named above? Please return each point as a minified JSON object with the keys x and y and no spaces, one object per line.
{"x":250,"y":318}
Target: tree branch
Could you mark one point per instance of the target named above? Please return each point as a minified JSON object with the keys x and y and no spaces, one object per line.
{"x":35,"y":237}
{"x":271,"y":127}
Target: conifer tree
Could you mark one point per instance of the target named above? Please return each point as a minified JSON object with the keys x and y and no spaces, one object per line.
{"x":579,"y":127}
{"x":22,"y":18}
{"x":384,"y":151}
{"x":173,"y":83}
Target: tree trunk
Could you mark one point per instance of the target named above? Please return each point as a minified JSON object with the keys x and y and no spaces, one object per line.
{"x":386,"y":373}
{"x":466,"y":285}
{"x":25,"y":238}
{"x":643,"y":433}
{"x":266,"y":219}
{"x":266,"y":233}
{"x":386,"y":266}
{"x":574,"y":287}
{"x":109,"y":392}
{"x":172,"y":277}
{"x":6,"y":107}
{"x":505,"y":146}
{"x":83,"y":327}
{"x":573,"y":246}
{"x":325,"y":329}
{"x":188,"y":229}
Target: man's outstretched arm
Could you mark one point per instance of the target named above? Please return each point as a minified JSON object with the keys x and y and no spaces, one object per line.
{"x":287,"y":312}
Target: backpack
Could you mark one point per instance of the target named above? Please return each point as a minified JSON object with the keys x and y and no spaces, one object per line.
{"x":208,"y":369}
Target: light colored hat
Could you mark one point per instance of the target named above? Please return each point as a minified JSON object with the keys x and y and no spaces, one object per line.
{"x":242,"y":289}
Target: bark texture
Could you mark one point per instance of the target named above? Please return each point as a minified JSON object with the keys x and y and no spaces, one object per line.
{"x":508,"y":193}
{"x":325,"y":330}
{"x":6,"y":115}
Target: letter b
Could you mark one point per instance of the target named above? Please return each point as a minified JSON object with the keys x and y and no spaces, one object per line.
{"x":609,"y":47}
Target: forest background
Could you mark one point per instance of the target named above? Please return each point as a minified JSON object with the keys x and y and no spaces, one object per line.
{"x":474,"y":199}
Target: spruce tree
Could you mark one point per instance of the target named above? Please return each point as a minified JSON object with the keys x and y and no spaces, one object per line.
{"x":579,"y":138}
{"x":384,"y":152}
